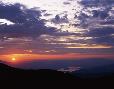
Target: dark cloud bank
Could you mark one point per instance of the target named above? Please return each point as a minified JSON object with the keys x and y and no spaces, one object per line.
{"x":97,"y":17}
{"x":27,"y":22}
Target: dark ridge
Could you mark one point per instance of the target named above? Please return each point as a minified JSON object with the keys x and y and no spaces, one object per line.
{"x":14,"y":78}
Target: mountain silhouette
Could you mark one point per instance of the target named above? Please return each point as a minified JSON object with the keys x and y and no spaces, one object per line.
{"x":15,"y":78}
{"x":32,"y":78}
{"x":5,"y":69}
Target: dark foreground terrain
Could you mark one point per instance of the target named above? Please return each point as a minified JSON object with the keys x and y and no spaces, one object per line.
{"x":13,"y":78}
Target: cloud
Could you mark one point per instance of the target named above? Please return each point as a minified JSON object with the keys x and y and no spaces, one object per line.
{"x":97,"y":19}
{"x":58,"y":19}
{"x":100,"y":14}
{"x":101,"y":31}
{"x":94,"y":11}
{"x":13,"y":13}
{"x":85,"y":27}
{"x":27,"y":22}
{"x":106,"y":40}
{"x":96,"y":2}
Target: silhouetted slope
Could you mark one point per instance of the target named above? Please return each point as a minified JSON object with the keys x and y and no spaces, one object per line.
{"x":34,"y":79}
{"x":5,"y":69}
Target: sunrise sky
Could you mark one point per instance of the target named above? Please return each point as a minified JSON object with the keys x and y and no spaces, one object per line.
{"x":56,"y":29}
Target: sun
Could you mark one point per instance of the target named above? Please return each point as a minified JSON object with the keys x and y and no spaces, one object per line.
{"x":13,"y":59}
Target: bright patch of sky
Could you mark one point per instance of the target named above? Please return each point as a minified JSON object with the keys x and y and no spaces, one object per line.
{"x":5,"y":21}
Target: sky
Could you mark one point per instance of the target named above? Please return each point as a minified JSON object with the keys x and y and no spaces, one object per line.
{"x":56,"y":29}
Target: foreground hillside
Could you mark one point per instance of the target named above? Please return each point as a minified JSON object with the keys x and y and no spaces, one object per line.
{"x":19,"y":78}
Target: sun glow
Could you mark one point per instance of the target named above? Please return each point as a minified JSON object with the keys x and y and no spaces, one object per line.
{"x":18,"y":58}
{"x":13,"y":59}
